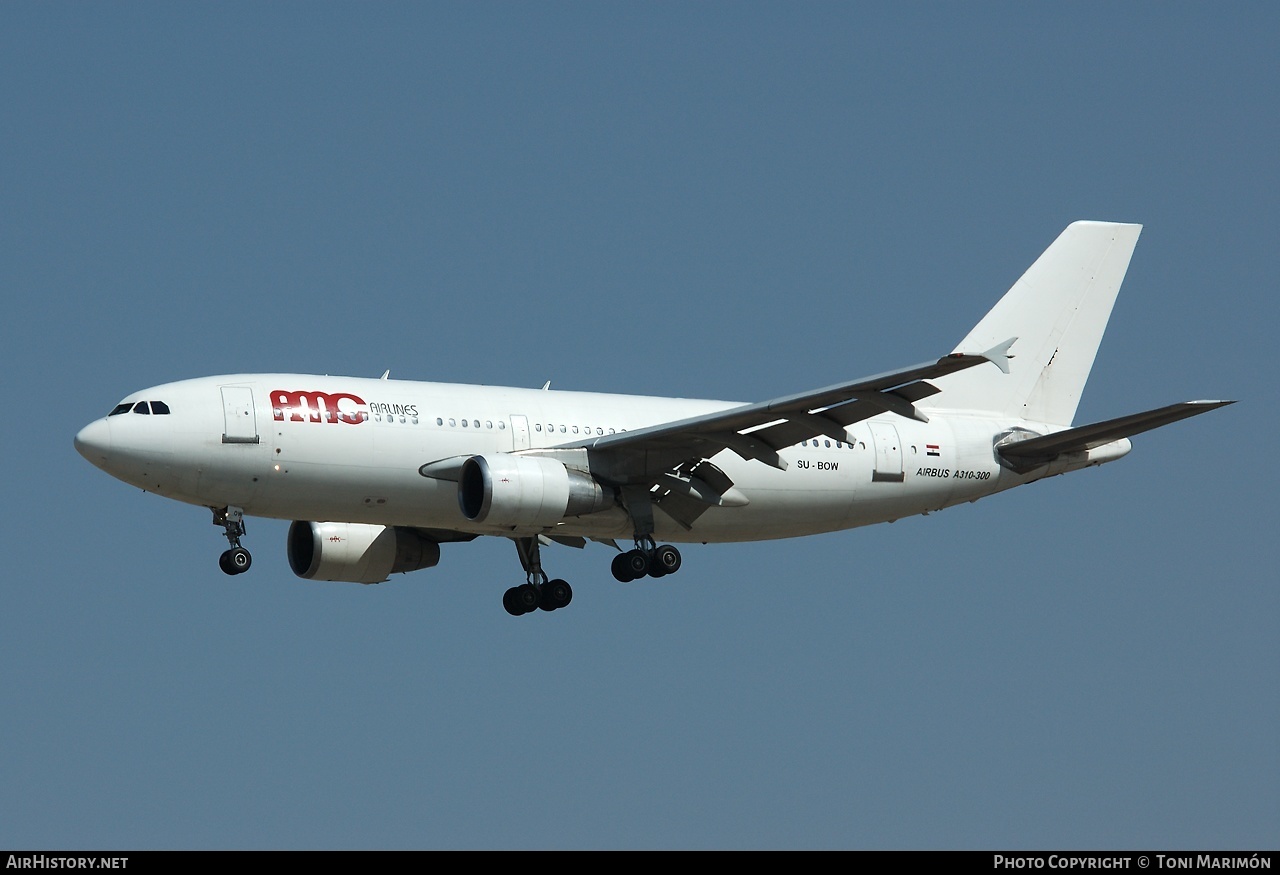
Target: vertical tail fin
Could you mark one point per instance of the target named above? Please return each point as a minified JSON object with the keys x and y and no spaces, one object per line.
{"x":1057,"y":312}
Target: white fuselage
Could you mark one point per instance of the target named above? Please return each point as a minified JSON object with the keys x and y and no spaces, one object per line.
{"x":320,"y":448}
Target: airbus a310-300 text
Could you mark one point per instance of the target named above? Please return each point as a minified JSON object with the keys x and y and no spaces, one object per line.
{"x":376,"y":474}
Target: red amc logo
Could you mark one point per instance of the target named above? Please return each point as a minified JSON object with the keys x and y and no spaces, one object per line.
{"x":317,"y":407}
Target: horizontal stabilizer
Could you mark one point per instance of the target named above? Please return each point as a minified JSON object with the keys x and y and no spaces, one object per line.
{"x":1024,"y":455}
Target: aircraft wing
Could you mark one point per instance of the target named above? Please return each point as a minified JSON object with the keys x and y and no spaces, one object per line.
{"x":759,"y":430}
{"x":668,"y":465}
{"x":1025,"y":455}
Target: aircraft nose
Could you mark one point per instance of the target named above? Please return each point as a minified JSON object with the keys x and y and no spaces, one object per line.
{"x":94,"y":441}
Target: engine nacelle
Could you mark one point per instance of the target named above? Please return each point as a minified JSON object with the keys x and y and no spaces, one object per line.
{"x":526,"y":491}
{"x":355,"y":552}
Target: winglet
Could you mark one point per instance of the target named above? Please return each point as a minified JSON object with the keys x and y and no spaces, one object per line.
{"x":999,"y":356}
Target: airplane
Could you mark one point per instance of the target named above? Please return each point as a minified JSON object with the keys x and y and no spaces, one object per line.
{"x":377,"y":474}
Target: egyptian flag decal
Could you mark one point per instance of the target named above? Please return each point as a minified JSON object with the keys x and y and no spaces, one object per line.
{"x":931,"y":450}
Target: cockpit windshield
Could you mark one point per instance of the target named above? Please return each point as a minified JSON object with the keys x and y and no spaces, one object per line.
{"x":147,"y":407}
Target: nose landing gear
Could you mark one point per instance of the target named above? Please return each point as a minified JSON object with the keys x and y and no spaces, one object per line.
{"x":237,"y":559}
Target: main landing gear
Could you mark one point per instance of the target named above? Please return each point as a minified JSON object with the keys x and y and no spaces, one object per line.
{"x":236,"y":560}
{"x":646,"y":560}
{"x":537,"y":592}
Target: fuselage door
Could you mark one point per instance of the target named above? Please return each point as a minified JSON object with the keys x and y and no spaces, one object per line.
{"x":519,"y":432}
{"x":888,"y":453}
{"x":240,"y":424}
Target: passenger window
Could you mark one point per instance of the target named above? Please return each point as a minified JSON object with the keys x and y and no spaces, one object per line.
{"x":488,"y":423}
{"x":439,"y":420}
{"x":826,"y":443}
{"x":476,"y":423}
{"x":562,"y":429}
{"x":537,"y":426}
{"x":141,"y":407}
{"x":575,"y":429}
{"x":464,"y":423}
{"x":452,"y":422}
{"x":501,"y":425}
{"x":599,"y":430}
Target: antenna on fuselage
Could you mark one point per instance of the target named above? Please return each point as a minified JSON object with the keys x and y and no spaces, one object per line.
{"x":385,"y":374}
{"x":546,"y":385}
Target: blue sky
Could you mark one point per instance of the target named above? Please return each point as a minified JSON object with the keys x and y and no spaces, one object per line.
{"x":723,"y":200}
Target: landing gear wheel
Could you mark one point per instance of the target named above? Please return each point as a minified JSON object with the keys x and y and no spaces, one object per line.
{"x":527,"y":597}
{"x":235,"y":561}
{"x":637,"y":563}
{"x":555,"y":594}
{"x":666,"y":558}
{"x":621,"y":569}
{"x":521,"y":599}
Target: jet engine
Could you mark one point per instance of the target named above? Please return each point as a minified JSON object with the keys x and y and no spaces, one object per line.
{"x":355,"y":552}
{"x":518,"y":491}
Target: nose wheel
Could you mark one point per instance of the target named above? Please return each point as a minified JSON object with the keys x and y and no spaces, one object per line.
{"x":237,"y":559}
